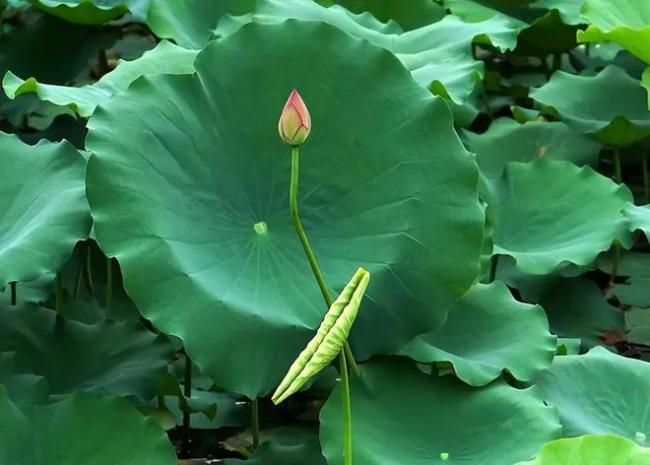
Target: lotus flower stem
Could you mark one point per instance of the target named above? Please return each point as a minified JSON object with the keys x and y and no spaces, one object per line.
{"x":187,"y":393}
{"x":109,"y":282}
{"x":12,"y":287}
{"x":255,"y":422}
{"x":311,"y":257}
{"x":347,"y":411}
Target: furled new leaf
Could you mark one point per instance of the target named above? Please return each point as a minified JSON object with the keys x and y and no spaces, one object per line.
{"x":329,"y":339}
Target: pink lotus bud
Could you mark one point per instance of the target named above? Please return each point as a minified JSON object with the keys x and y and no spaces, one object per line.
{"x":295,"y":123}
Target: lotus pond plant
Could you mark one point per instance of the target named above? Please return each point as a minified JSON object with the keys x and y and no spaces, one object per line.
{"x":440,"y":256}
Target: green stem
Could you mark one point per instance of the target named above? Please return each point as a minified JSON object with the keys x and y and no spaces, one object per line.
{"x":88,"y":271}
{"x":347,"y":411}
{"x":494,"y":265}
{"x":646,"y":181}
{"x":12,"y":287}
{"x":255,"y":422}
{"x":187,"y":392}
{"x":77,"y":282}
{"x":311,"y":257}
{"x":109,"y":282}
{"x":616,"y":252}
{"x":58,"y":303}
{"x":557,"y":61}
{"x":618,"y":172}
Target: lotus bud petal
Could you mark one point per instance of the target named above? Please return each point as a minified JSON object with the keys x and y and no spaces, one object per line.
{"x":295,"y":122}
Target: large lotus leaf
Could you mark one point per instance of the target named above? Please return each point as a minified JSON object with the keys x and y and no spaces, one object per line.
{"x":569,"y":10}
{"x":599,"y":393}
{"x":506,"y":141}
{"x":410,"y":15}
{"x":439,"y":56}
{"x":504,"y":335}
{"x":385,"y":184}
{"x":592,"y":450}
{"x":549,"y":213}
{"x":83,"y":428}
{"x":576,"y":307}
{"x":542,"y":27}
{"x":645,"y":82}
{"x":189,"y":23}
{"x":626,"y":22}
{"x":620,"y":119}
{"x":401,"y":415}
{"x":43,"y":207}
{"x":638,"y":218}
{"x":113,"y":357}
{"x":289,"y":445}
{"x":166,"y":58}
{"x":92,"y":11}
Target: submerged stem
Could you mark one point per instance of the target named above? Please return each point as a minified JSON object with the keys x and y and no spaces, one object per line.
{"x":109,"y":282}
{"x":618,"y":172}
{"x":255,"y":422}
{"x":88,"y":272}
{"x":311,"y":257}
{"x":347,"y":411}
{"x":646,"y":181}
{"x":58,"y":302}
{"x":187,"y":392}
{"x":14,"y":295}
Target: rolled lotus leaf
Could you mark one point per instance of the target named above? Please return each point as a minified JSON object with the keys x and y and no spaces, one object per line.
{"x":329,"y":340}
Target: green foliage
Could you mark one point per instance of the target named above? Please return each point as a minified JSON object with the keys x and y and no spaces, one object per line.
{"x":401,"y":414}
{"x":252,"y":285}
{"x":586,"y":450}
{"x":487,"y":161}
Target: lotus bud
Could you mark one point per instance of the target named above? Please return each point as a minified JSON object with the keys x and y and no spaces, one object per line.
{"x":295,"y":122}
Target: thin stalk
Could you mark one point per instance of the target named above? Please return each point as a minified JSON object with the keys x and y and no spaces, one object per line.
{"x":616,"y":252}
{"x":646,"y":181}
{"x":255,"y":422}
{"x":616,"y":248}
{"x":14,"y":295}
{"x":77,"y":282}
{"x":109,"y":282}
{"x":557,"y":61}
{"x":347,"y":411}
{"x":88,"y":271}
{"x":187,"y":392}
{"x":618,"y":172}
{"x":494,"y":266}
{"x":311,"y":257}
{"x":58,"y":303}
